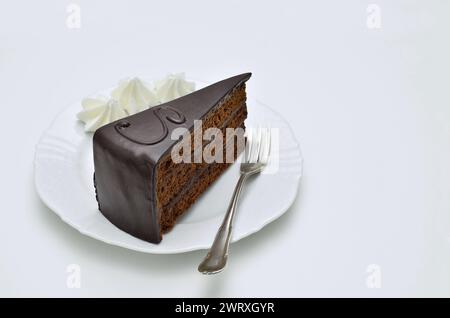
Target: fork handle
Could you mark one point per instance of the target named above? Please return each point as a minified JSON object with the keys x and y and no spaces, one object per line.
{"x":216,"y":259}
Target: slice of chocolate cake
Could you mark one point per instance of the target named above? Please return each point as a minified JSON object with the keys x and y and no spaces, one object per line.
{"x":139,"y":187}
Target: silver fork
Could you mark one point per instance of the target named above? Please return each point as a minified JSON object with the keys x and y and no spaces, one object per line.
{"x":257,"y":151}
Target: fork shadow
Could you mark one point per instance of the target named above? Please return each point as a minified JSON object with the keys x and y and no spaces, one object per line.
{"x":170,"y":264}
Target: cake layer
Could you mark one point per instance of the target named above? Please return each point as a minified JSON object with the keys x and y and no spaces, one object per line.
{"x":197,"y":185}
{"x":171,"y":184}
{"x":216,"y":118}
{"x":176,"y":181}
{"x":194,"y":186}
{"x":171,"y":177}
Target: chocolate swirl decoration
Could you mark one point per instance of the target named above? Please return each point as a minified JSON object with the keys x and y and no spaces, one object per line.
{"x":153,"y":131}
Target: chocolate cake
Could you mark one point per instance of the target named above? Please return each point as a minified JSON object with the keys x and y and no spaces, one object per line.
{"x":139,"y":188}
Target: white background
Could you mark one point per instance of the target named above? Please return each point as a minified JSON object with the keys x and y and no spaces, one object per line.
{"x":370,"y":107}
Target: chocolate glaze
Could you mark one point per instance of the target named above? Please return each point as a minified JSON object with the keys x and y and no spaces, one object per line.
{"x":148,"y":135}
{"x":127,"y":152}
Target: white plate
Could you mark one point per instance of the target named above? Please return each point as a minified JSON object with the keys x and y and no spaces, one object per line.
{"x":63,"y":176}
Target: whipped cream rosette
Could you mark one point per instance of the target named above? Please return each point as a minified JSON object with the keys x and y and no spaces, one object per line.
{"x":134,"y":95}
{"x":172,"y":87}
{"x":99,"y":111}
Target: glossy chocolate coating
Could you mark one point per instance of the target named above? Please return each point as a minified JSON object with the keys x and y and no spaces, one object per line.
{"x":127,"y":152}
